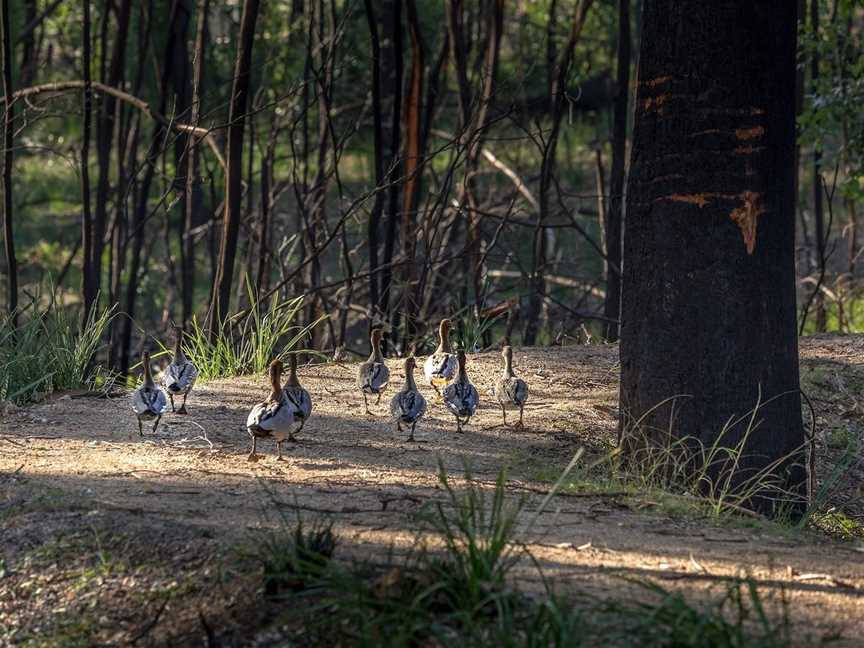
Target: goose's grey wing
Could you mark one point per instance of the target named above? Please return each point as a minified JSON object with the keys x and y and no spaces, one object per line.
{"x":300,"y":401}
{"x":452,"y":396}
{"x":373,"y":377}
{"x":139,"y":403}
{"x":380,"y":377}
{"x":149,"y":401}
{"x":408,"y":406}
{"x":471,"y":399}
{"x":514,"y":390}
{"x":271,"y":416}
{"x":440,"y":366}
{"x":520,"y":392}
{"x":159,"y":402}
{"x":179,"y":378}
{"x":256,"y":414}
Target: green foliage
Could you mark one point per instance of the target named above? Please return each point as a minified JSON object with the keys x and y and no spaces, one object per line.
{"x":49,"y":350}
{"x":471,"y":329}
{"x":455,"y":585}
{"x":833,"y":118}
{"x":247,"y":344}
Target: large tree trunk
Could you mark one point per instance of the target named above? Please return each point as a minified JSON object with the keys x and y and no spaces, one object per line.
{"x":8,"y":131}
{"x":708,"y":310}
{"x":612,"y":304}
{"x":233,"y":181}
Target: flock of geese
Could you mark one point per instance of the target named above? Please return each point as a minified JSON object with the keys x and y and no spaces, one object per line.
{"x":286,"y":410}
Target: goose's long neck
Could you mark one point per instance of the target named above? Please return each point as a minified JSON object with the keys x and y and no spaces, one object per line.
{"x":376,"y":355}
{"x":508,"y":366}
{"x":444,"y":338}
{"x":148,"y":376}
{"x":292,"y":374}
{"x":410,"y":385}
{"x":275,"y":387}
{"x":463,"y":374}
{"x":179,"y":356}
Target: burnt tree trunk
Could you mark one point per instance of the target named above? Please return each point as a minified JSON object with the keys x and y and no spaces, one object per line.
{"x":8,"y":132}
{"x":708,"y":309}
{"x":194,"y":199}
{"x":233,"y":180}
{"x":818,"y":204}
{"x":394,"y":62}
{"x":612,"y":303}
{"x":412,"y":116}
{"x":90,"y":278}
{"x":374,"y":224}
{"x":105,"y":122}
{"x":181,"y":81}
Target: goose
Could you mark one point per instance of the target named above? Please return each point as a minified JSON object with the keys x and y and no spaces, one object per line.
{"x":298,"y":397}
{"x":408,"y":406}
{"x":460,"y":396}
{"x":148,"y":401}
{"x":273,"y":417}
{"x":510,"y":390}
{"x":179,"y":377}
{"x":440,"y":367}
{"x":373,"y":375}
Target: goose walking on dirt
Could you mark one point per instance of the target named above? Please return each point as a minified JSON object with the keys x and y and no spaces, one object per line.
{"x":148,"y":401}
{"x":408,"y":406}
{"x":272,"y":418}
{"x":461,"y":396}
{"x":510,"y":390}
{"x":440,"y":367}
{"x":298,"y":397}
{"x":373,"y":375}
{"x":179,"y":377}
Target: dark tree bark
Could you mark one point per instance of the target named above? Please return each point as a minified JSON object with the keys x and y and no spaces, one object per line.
{"x":708,"y":309}
{"x":181,"y":81}
{"x":612,"y":302}
{"x":90,"y":282}
{"x":395,"y":64}
{"x":374,"y":224}
{"x":818,"y":204}
{"x":8,"y":132}
{"x":233,"y":181}
{"x":104,"y":134}
{"x":413,"y":171}
{"x":194,"y":197}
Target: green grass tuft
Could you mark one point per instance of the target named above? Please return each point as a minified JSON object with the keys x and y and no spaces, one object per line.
{"x":456,"y":585}
{"x":247,"y":345}
{"x":49,"y":350}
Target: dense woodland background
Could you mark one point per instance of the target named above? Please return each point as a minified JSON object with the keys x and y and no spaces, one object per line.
{"x":390,"y":162}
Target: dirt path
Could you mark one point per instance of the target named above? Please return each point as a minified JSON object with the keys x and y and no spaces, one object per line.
{"x":103,"y":532}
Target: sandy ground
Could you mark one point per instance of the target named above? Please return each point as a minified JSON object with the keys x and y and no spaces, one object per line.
{"x":108,"y":535}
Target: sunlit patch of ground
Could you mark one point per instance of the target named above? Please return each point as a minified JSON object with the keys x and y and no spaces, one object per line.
{"x":109,"y":537}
